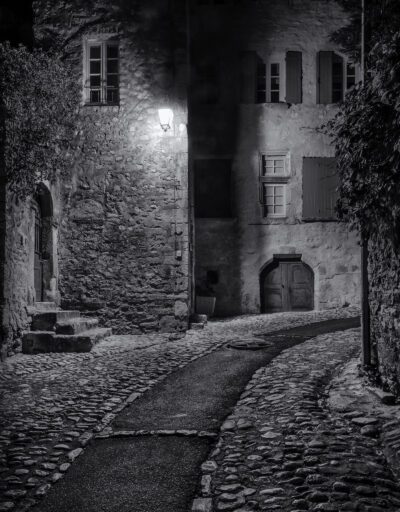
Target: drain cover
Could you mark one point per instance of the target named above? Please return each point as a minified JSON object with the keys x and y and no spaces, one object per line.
{"x":259,"y":343}
{"x":249,"y":344}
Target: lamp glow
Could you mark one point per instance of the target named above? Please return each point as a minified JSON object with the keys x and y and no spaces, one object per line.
{"x":166,"y":117}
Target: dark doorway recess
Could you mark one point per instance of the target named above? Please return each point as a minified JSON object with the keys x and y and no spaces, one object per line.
{"x":38,"y":244}
{"x":286,"y":284}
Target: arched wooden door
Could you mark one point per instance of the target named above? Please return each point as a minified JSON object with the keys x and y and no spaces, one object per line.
{"x":38,"y":256}
{"x":287,"y":286}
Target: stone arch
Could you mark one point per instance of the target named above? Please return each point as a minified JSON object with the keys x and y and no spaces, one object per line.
{"x":286,"y":284}
{"x":44,"y":245}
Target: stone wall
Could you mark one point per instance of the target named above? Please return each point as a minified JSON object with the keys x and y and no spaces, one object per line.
{"x":384,"y":300}
{"x":123,"y":238}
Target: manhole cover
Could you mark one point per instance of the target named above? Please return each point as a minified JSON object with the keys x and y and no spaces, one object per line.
{"x":262,"y":342}
{"x":249,"y":344}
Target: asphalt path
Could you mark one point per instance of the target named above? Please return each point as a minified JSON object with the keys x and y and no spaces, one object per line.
{"x":160,"y":473}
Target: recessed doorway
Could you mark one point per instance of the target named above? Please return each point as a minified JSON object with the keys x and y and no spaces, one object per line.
{"x":287,"y":284}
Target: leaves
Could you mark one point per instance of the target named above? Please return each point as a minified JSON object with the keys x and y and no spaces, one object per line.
{"x":39,"y":99}
{"x":366,"y":132}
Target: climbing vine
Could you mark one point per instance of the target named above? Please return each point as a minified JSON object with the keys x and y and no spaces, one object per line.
{"x":366,"y":132}
{"x":39,"y":101}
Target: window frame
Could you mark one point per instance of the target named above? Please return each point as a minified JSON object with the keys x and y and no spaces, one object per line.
{"x":272,"y":215}
{"x":273,"y":179}
{"x":279,"y":59}
{"x":346,"y":62}
{"x":104,"y":41}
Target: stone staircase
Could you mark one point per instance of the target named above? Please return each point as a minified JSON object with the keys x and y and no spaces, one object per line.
{"x":57,"y":330}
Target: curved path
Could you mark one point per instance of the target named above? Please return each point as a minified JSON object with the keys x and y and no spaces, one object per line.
{"x":149,"y":458}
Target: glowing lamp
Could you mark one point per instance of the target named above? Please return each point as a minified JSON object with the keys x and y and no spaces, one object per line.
{"x":165,"y":116}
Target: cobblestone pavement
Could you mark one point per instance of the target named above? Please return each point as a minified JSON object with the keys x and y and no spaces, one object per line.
{"x":284,"y":448}
{"x":51,"y":404}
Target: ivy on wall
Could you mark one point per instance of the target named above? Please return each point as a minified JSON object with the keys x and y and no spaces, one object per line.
{"x":366,"y":132}
{"x":38,"y":117}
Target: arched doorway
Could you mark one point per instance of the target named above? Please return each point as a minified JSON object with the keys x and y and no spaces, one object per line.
{"x":38,"y":247}
{"x":287,"y":284}
{"x":42,"y":243}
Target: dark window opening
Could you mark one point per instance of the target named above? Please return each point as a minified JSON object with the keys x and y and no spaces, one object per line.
{"x":212,"y":184}
{"x":261,"y":93}
{"x":212,"y":276}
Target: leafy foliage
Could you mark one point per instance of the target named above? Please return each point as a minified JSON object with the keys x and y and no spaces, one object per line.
{"x":39,"y":101}
{"x":367,"y":138}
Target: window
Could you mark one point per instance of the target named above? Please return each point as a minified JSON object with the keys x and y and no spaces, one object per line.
{"x":273,"y":165}
{"x":274,"y":85}
{"x":285,"y":78}
{"x":277,"y":79}
{"x":212,"y":188}
{"x":274,"y":174}
{"x":320,"y":182}
{"x":335,"y":77}
{"x":102,"y":72}
{"x":273,"y":200}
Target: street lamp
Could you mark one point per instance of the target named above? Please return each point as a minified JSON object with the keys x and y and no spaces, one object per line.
{"x":166,"y":117}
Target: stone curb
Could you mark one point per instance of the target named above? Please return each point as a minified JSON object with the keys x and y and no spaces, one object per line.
{"x":109,"y":434}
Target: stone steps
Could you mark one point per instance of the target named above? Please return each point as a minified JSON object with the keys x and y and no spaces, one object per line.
{"x":46,"y":320}
{"x":76,"y":325}
{"x":57,"y":330}
{"x":36,"y":342}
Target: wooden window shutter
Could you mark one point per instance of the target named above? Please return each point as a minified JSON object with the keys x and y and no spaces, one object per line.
{"x":248,"y":79}
{"x":325,"y":61}
{"x":320,"y":181}
{"x":294,"y":77}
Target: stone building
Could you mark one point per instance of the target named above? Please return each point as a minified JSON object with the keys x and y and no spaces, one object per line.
{"x":234,"y":195}
{"x":113,"y":240}
{"x":265,"y":78}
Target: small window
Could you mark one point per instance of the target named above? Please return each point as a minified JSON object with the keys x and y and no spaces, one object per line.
{"x":273,"y":200}
{"x":274,"y":175}
{"x":102,"y":72}
{"x":273,"y":165}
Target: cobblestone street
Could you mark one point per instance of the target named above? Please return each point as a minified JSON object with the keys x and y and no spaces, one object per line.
{"x":284,"y":449}
{"x":281,"y":449}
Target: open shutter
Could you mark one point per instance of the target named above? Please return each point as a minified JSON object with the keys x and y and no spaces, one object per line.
{"x":294,"y":77}
{"x":325,"y":61}
{"x":319,"y":188}
{"x":248,"y":79}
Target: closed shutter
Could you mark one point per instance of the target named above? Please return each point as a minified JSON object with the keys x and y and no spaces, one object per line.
{"x":325,"y":60}
{"x":320,"y":181}
{"x":294,"y":77}
{"x":248,"y":79}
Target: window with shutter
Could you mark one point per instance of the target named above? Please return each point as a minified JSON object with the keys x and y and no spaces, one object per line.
{"x":212,"y":188}
{"x":294,"y":77}
{"x":331,"y":77}
{"x":320,"y":182}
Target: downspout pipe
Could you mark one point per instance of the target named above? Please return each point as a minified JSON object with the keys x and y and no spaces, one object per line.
{"x":365,"y":312}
